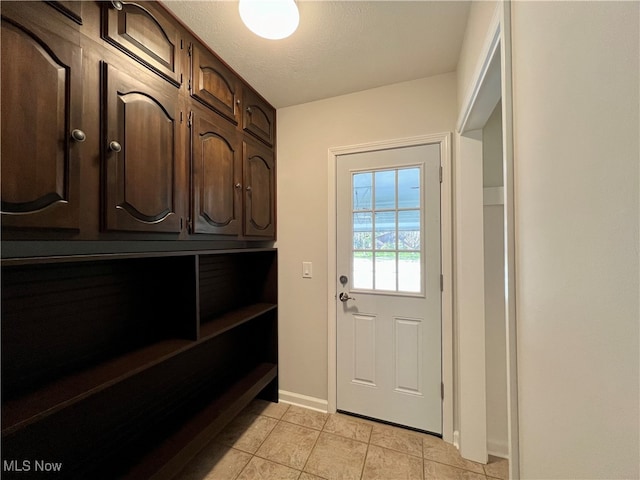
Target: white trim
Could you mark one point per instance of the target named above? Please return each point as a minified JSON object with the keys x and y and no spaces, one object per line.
{"x":305,"y":401}
{"x":510,"y":245}
{"x":484,"y":75}
{"x":498,"y":449}
{"x":493,"y":196}
{"x":444,"y":140}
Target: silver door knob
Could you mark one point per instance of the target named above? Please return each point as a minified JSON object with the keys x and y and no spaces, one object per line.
{"x":344,"y":296}
{"x":115,"y":146}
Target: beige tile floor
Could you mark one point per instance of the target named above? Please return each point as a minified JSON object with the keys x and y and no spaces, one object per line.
{"x":270,"y":441}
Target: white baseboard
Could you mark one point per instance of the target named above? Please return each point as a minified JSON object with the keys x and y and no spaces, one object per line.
{"x":312,"y":403}
{"x":497,"y":449}
{"x":456,"y":439}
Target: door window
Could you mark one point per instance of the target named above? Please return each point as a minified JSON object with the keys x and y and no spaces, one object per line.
{"x":387,"y":246}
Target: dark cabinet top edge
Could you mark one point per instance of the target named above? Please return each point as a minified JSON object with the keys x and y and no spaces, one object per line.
{"x":17,"y":261}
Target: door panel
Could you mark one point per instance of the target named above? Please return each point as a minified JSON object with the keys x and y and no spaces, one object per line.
{"x":389,"y":319}
{"x":40,"y":160}
{"x":217,"y":178}
{"x":71,"y":9}
{"x":259,"y":181}
{"x":141,"y":154}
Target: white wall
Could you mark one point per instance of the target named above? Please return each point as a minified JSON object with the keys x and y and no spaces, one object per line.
{"x":494,"y":306}
{"x":305,"y":133}
{"x":576,"y":124}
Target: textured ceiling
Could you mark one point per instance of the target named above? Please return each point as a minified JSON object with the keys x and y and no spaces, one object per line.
{"x":340,"y":46}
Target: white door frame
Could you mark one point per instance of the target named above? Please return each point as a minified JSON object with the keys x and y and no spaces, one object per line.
{"x":492,"y":81}
{"x":444,"y":141}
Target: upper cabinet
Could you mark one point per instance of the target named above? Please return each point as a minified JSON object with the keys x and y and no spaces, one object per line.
{"x":259,"y":190}
{"x":142,"y":154}
{"x":42,"y":127}
{"x":213,"y":84}
{"x":259,"y":118}
{"x":216,"y":184}
{"x":101,"y":142}
{"x":145,"y":33}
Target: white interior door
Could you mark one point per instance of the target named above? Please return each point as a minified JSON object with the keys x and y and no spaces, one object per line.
{"x":389,"y":292}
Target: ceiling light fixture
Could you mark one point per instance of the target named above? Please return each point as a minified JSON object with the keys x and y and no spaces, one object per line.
{"x":271,"y":19}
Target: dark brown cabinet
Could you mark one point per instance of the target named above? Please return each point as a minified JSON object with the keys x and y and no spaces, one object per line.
{"x":259,"y":181}
{"x":159,"y":161}
{"x":145,"y":33}
{"x":258,"y":118}
{"x":41,"y":124}
{"x":142,"y":154}
{"x":213,"y":84}
{"x":216,"y":186}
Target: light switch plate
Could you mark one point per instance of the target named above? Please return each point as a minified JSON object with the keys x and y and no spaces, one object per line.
{"x":307,"y":270}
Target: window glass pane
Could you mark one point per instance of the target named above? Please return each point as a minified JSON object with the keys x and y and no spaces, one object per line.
{"x":409,"y":188}
{"x":363,"y":270}
{"x":409,"y":230}
{"x":362,"y":231}
{"x":409,"y":271}
{"x":362,"y":189}
{"x":386,"y":231}
{"x":385,"y":189}
{"x":385,"y":278}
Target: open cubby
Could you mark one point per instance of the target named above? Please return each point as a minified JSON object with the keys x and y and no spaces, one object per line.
{"x":126,"y":365}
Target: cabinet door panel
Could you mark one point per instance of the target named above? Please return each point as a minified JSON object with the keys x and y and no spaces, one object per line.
{"x":216,"y":168}
{"x":39,"y":159}
{"x":258,"y":118}
{"x":259,"y":180}
{"x":71,"y":9}
{"x":214,"y":84}
{"x":145,"y":35}
{"x":141,"y":180}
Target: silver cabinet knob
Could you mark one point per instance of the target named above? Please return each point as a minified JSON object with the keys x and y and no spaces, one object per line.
{"x":78,"y":135}
{"x":249,"y":188}
{"x":249,"y":110}
{"x":238,"y":186}
{"x":115,"y":146}
{"x":116,"y":4}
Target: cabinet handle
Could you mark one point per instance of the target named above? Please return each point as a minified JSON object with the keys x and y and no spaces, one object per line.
{"x":249,"y":110}
{"x":238,"y":186}
{"x":115,"y":146}
{"x":78,"y":135}
{"x":116,"y":4}
{"x":249,"y":188}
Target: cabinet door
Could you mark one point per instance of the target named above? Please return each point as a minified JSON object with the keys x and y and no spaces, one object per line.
{"x":258,"y":118}
{"x":259,"y":181}
{"x":216,"y":177}
{"x":213,"y":84}
{"x":144,"y":33}
{"x":141,"y":161}
{"x":71,"y":9}
{"x":41,"y":106}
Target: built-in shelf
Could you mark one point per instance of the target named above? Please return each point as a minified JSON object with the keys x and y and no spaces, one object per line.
{"x":22,"y":411}
{"x":219,"y":324}
{"x":169,"y":457}
{"x":131,"y":363}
